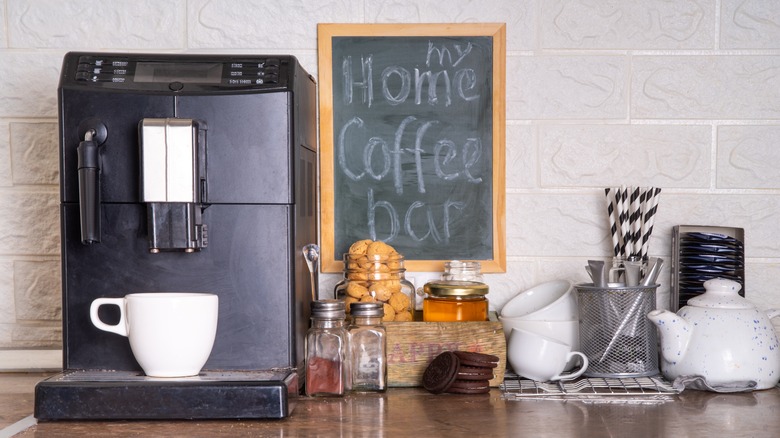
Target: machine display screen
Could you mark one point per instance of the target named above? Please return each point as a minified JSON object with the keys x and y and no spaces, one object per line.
{"x":184,"y":72}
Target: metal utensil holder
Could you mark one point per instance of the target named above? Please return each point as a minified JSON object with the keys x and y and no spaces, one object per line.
{"x":615,"y":333}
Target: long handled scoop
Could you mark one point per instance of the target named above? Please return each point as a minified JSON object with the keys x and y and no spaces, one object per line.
{"x":311,"y":253}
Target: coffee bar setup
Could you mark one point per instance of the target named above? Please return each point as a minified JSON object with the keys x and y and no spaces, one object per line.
{"x":203,"y":197}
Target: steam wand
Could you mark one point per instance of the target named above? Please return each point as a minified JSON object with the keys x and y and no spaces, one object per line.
{"x":89,"y":181}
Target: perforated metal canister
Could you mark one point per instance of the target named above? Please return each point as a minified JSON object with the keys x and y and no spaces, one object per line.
{"x":615,"y":333}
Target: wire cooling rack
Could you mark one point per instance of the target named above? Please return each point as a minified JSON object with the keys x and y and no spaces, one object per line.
{"x":626,"y":389}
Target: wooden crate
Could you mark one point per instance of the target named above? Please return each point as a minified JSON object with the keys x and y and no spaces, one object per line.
{"x":412,"y":345}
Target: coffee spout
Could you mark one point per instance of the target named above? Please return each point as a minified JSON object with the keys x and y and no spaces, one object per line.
{"x":171,"y":172}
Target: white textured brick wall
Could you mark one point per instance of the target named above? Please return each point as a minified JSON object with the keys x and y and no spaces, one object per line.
{"x":683,"y":95}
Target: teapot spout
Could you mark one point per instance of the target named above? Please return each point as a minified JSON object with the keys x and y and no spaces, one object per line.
{"x":675,"y":333}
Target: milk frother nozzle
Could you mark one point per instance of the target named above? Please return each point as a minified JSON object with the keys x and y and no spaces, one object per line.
{"x":94,"y":134}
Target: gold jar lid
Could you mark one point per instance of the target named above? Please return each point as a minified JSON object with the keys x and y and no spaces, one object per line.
{"x":455,"y":288}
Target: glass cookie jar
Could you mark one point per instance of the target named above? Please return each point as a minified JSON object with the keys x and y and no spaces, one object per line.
{"x":377,"y":278}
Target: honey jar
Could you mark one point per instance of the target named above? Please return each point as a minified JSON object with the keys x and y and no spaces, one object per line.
{"x":453,"y":300}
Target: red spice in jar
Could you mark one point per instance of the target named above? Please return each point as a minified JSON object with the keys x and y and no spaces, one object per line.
{"x":324,"y":377}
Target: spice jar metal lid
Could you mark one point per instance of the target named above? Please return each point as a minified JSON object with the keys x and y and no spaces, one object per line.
{"x":367,"y":309}
{"x":455,"y":288}
{"x":328,"y":309}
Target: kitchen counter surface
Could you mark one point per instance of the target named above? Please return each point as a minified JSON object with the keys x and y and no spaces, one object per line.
{"x":402,"y":411}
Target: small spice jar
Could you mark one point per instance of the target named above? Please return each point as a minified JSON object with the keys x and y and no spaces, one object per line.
{"x":447,"y":301}
{"x":367,"y":348}
{"x":379,"y":278}
{"x":326,"y":349}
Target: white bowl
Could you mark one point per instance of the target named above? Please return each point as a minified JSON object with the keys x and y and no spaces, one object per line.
{"x":550,"y":301}
{"x":567,"y":332}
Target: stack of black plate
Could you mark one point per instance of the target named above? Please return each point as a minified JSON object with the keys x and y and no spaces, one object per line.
{"x":704,"y":256}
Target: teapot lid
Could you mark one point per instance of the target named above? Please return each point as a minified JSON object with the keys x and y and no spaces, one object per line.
{"x":721,"y":293}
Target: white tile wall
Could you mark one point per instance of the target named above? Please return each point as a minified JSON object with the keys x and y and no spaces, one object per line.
{"x":684,"y":95}
{"x":96,"y":24}
{"x":629,"y":24}
{"x":749,"y":24}
{"x":705,"y":87}
{"x":542,"y":87}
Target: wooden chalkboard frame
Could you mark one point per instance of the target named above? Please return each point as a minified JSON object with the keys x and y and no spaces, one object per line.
{"x":325,"y":34}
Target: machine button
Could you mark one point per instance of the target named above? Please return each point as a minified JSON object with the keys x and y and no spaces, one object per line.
{"x":82,"y":76}
{"x":84,"y":67}
{"x":175,"y":86}
{"x":272,"y":61}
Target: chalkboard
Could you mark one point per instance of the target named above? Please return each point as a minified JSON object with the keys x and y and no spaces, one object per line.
{"x":412,"y":132}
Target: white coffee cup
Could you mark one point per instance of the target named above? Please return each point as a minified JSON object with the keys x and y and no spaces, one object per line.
{"x":550,"y":301}
{"x":540,"y":358}
{"x":567,"y":332}
{"x":171,"y":333}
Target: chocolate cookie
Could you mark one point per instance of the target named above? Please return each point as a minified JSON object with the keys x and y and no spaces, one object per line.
{"x":441,"y":372}
{"x":471,"y":359}
{"x":469,"y":387}
{"x":474,"y":373}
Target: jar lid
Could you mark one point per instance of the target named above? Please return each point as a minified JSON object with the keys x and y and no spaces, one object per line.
{"x":367,"y":309}
{"x":455,"y":288}
{"x":463,"y":265}
{"x":328,"y":309}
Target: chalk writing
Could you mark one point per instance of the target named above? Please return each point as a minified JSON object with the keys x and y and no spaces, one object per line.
{"x":413,"y":130}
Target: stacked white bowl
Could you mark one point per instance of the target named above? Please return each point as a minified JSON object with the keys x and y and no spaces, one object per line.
{"x":549,"y":309}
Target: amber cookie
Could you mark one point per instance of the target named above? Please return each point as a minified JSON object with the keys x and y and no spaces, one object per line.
{"x":441,"y":372}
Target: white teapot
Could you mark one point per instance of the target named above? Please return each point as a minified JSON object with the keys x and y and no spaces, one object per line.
{"x":720,"y":336}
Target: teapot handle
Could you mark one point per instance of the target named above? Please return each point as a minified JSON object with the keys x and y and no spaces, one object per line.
{"x":771,"y":313}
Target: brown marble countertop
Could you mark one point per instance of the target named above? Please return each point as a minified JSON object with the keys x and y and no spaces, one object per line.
{"x":406,"y":411}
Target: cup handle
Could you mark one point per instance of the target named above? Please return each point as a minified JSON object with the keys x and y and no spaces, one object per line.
{"x":573,"y":374}
{"x":121,"y":327}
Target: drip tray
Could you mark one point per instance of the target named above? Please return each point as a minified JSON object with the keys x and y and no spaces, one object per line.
{"x":130,"y":395}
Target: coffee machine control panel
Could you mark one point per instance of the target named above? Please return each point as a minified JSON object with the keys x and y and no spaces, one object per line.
{"x":184,"y":73}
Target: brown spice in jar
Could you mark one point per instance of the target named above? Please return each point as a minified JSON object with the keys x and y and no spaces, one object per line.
{"x":324,"y":376}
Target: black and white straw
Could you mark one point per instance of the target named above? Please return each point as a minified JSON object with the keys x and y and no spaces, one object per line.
{"x":631,"y":213}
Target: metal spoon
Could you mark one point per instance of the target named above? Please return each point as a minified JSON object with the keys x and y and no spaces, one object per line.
{"x":311,"y":253}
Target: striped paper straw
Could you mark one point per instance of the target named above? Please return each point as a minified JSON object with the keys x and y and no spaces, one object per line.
{"x":624,"y":225}
{"x":649,"y":219}
{"x":611,"y":214}
{"x":634,"y":220}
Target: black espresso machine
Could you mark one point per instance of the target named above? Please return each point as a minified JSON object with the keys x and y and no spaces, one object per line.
{"x":185,"y":173}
